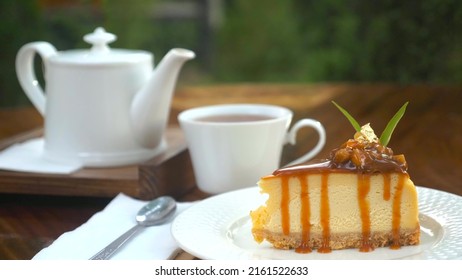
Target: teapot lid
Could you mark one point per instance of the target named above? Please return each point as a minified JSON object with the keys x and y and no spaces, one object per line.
{"x":100,"y":53}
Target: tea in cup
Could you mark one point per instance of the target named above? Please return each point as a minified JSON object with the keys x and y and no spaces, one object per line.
{"x":233,"y":145}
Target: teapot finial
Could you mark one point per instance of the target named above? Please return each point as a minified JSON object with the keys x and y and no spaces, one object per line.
{"x":100,"y":40}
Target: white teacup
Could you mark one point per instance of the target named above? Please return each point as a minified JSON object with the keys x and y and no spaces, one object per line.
{"x":233,"y":145}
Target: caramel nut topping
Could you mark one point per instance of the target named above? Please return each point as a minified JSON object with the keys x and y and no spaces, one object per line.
{"x":363,"y":154}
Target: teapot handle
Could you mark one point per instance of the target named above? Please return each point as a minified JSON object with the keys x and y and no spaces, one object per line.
{"x":26,"y":74}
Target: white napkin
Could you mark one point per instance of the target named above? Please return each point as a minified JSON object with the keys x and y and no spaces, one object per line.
{"x":104,"y":227}
{"x":28,"y":157}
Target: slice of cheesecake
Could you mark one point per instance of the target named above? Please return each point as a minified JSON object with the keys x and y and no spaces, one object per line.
{"x":360,"y":197}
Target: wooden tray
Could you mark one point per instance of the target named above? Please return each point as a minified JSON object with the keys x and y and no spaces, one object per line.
{"x":169,"y":173}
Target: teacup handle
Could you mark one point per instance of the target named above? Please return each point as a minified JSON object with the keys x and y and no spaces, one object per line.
{"x":26,"y":74}
{"x":292,"y":138}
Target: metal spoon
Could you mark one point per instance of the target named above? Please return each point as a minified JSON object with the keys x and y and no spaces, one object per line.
{"x":154,"y":213}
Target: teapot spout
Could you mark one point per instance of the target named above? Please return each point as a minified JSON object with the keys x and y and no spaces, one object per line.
{"x":150,"y":107}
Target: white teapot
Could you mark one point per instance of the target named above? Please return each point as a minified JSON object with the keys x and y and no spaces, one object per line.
{"x":102,"y":107}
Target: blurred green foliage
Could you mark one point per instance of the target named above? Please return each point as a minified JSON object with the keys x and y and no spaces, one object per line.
{"x":18,"y":24}
{"x":334,"y":40}
{"x":259,"y":40}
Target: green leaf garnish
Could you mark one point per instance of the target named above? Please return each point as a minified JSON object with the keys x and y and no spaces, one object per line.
{"x":388,"y":131}
{"x":353,"y":122}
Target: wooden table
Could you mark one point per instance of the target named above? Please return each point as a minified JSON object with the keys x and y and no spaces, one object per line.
{"x":430,"y":135}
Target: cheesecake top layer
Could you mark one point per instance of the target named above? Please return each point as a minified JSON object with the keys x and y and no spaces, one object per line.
{"x":363,"y":154}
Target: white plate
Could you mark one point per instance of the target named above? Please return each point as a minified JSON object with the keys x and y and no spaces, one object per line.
{"x":220,"y":228}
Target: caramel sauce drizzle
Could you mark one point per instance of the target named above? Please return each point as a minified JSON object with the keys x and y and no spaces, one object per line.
{"x":364,"y":209}
{"x":325,"y":215}
{"x":396,"y":220}
{"x":305,"y":215}
{"x":285,"y":199}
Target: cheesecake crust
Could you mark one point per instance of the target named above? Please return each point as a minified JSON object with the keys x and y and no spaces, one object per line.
{"x":337,"y":240}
